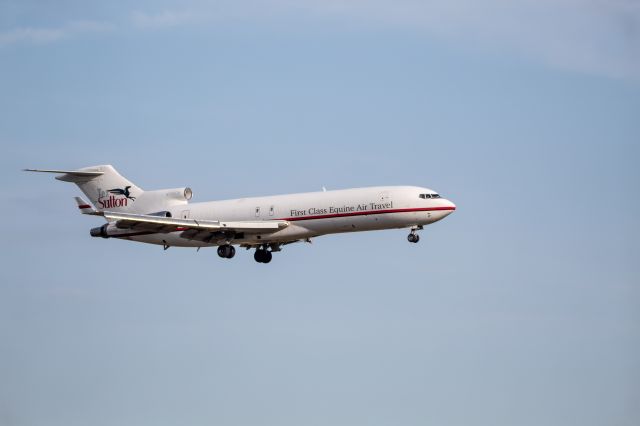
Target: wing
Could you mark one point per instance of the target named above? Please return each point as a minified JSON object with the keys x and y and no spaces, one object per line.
{"x":192,"y":227}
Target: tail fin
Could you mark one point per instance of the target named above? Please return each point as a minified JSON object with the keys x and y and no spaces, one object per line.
{"x":103,"y":185}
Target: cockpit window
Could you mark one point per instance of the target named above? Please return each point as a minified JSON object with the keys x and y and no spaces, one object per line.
{"x":428,"y":196}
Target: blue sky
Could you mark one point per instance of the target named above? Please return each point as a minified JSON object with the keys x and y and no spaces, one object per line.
{"x":520,"y":308}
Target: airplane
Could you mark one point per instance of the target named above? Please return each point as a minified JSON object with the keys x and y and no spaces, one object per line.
{"x":166,"y":217}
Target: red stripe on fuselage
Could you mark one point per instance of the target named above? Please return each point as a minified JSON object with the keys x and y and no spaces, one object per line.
{"x":372,"y":212}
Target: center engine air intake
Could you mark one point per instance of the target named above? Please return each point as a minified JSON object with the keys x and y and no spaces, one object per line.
{"x":181,"y":194}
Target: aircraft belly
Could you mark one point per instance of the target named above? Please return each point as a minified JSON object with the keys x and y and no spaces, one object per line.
{"x":290,"y":233}
{"x":363,"y":222}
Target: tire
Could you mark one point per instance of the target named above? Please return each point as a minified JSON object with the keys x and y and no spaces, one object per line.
{"x":226,"y":251}
{"x":258,"y":255}
{"x":267,"y":257}
{"x":417,"y":238}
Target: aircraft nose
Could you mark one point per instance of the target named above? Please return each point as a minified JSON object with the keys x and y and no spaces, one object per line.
{"x":450,"y":206}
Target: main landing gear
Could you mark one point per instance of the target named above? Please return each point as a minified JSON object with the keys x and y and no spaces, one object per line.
{"x":413,"y":237}
{"x":262,"y":255}
{"x":226,"y":251}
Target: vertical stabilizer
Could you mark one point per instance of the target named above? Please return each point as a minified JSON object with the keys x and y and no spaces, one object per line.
{"x":103,"y":185}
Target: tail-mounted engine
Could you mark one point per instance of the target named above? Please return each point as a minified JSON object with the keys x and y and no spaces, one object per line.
{"x":100,"y":231}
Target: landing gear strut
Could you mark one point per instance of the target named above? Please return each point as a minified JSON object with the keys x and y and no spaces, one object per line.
{"x":413,"y":237}
{"x":262,"y":255}
{"x":226,"y":251}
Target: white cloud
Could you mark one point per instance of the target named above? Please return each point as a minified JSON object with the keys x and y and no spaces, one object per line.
{"x":50,"y":35}
{"x":31,"y":35}
{"x":592,"y":36}
{"x":163,"y":19}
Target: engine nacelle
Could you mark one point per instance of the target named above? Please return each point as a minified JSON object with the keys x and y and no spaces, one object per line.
{"x":162,"y":200}
{"x":175,"y":194}
{"x":100,"y":231}
{"x":108,"y":230}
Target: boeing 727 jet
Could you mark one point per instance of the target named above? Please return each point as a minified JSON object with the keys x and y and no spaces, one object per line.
{"x":166,"y":217}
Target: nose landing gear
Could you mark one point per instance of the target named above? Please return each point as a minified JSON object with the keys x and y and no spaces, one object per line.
{"x":413,"y":236}
{"x":226,"y":251}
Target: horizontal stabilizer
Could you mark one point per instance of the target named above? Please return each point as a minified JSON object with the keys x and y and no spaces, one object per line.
{"x":69,"y":175}
{"x":85,"y":207}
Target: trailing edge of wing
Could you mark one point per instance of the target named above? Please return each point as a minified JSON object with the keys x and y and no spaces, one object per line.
{"x":168,"y":224}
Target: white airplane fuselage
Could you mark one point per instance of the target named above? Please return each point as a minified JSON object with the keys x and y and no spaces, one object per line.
{"x":168,"y":217}
{"x":312,"y":214}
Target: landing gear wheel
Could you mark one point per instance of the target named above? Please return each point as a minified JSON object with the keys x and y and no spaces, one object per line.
{"x":413,"y":238}
{"x":262,"y":256}
{"x":226,"y":251}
